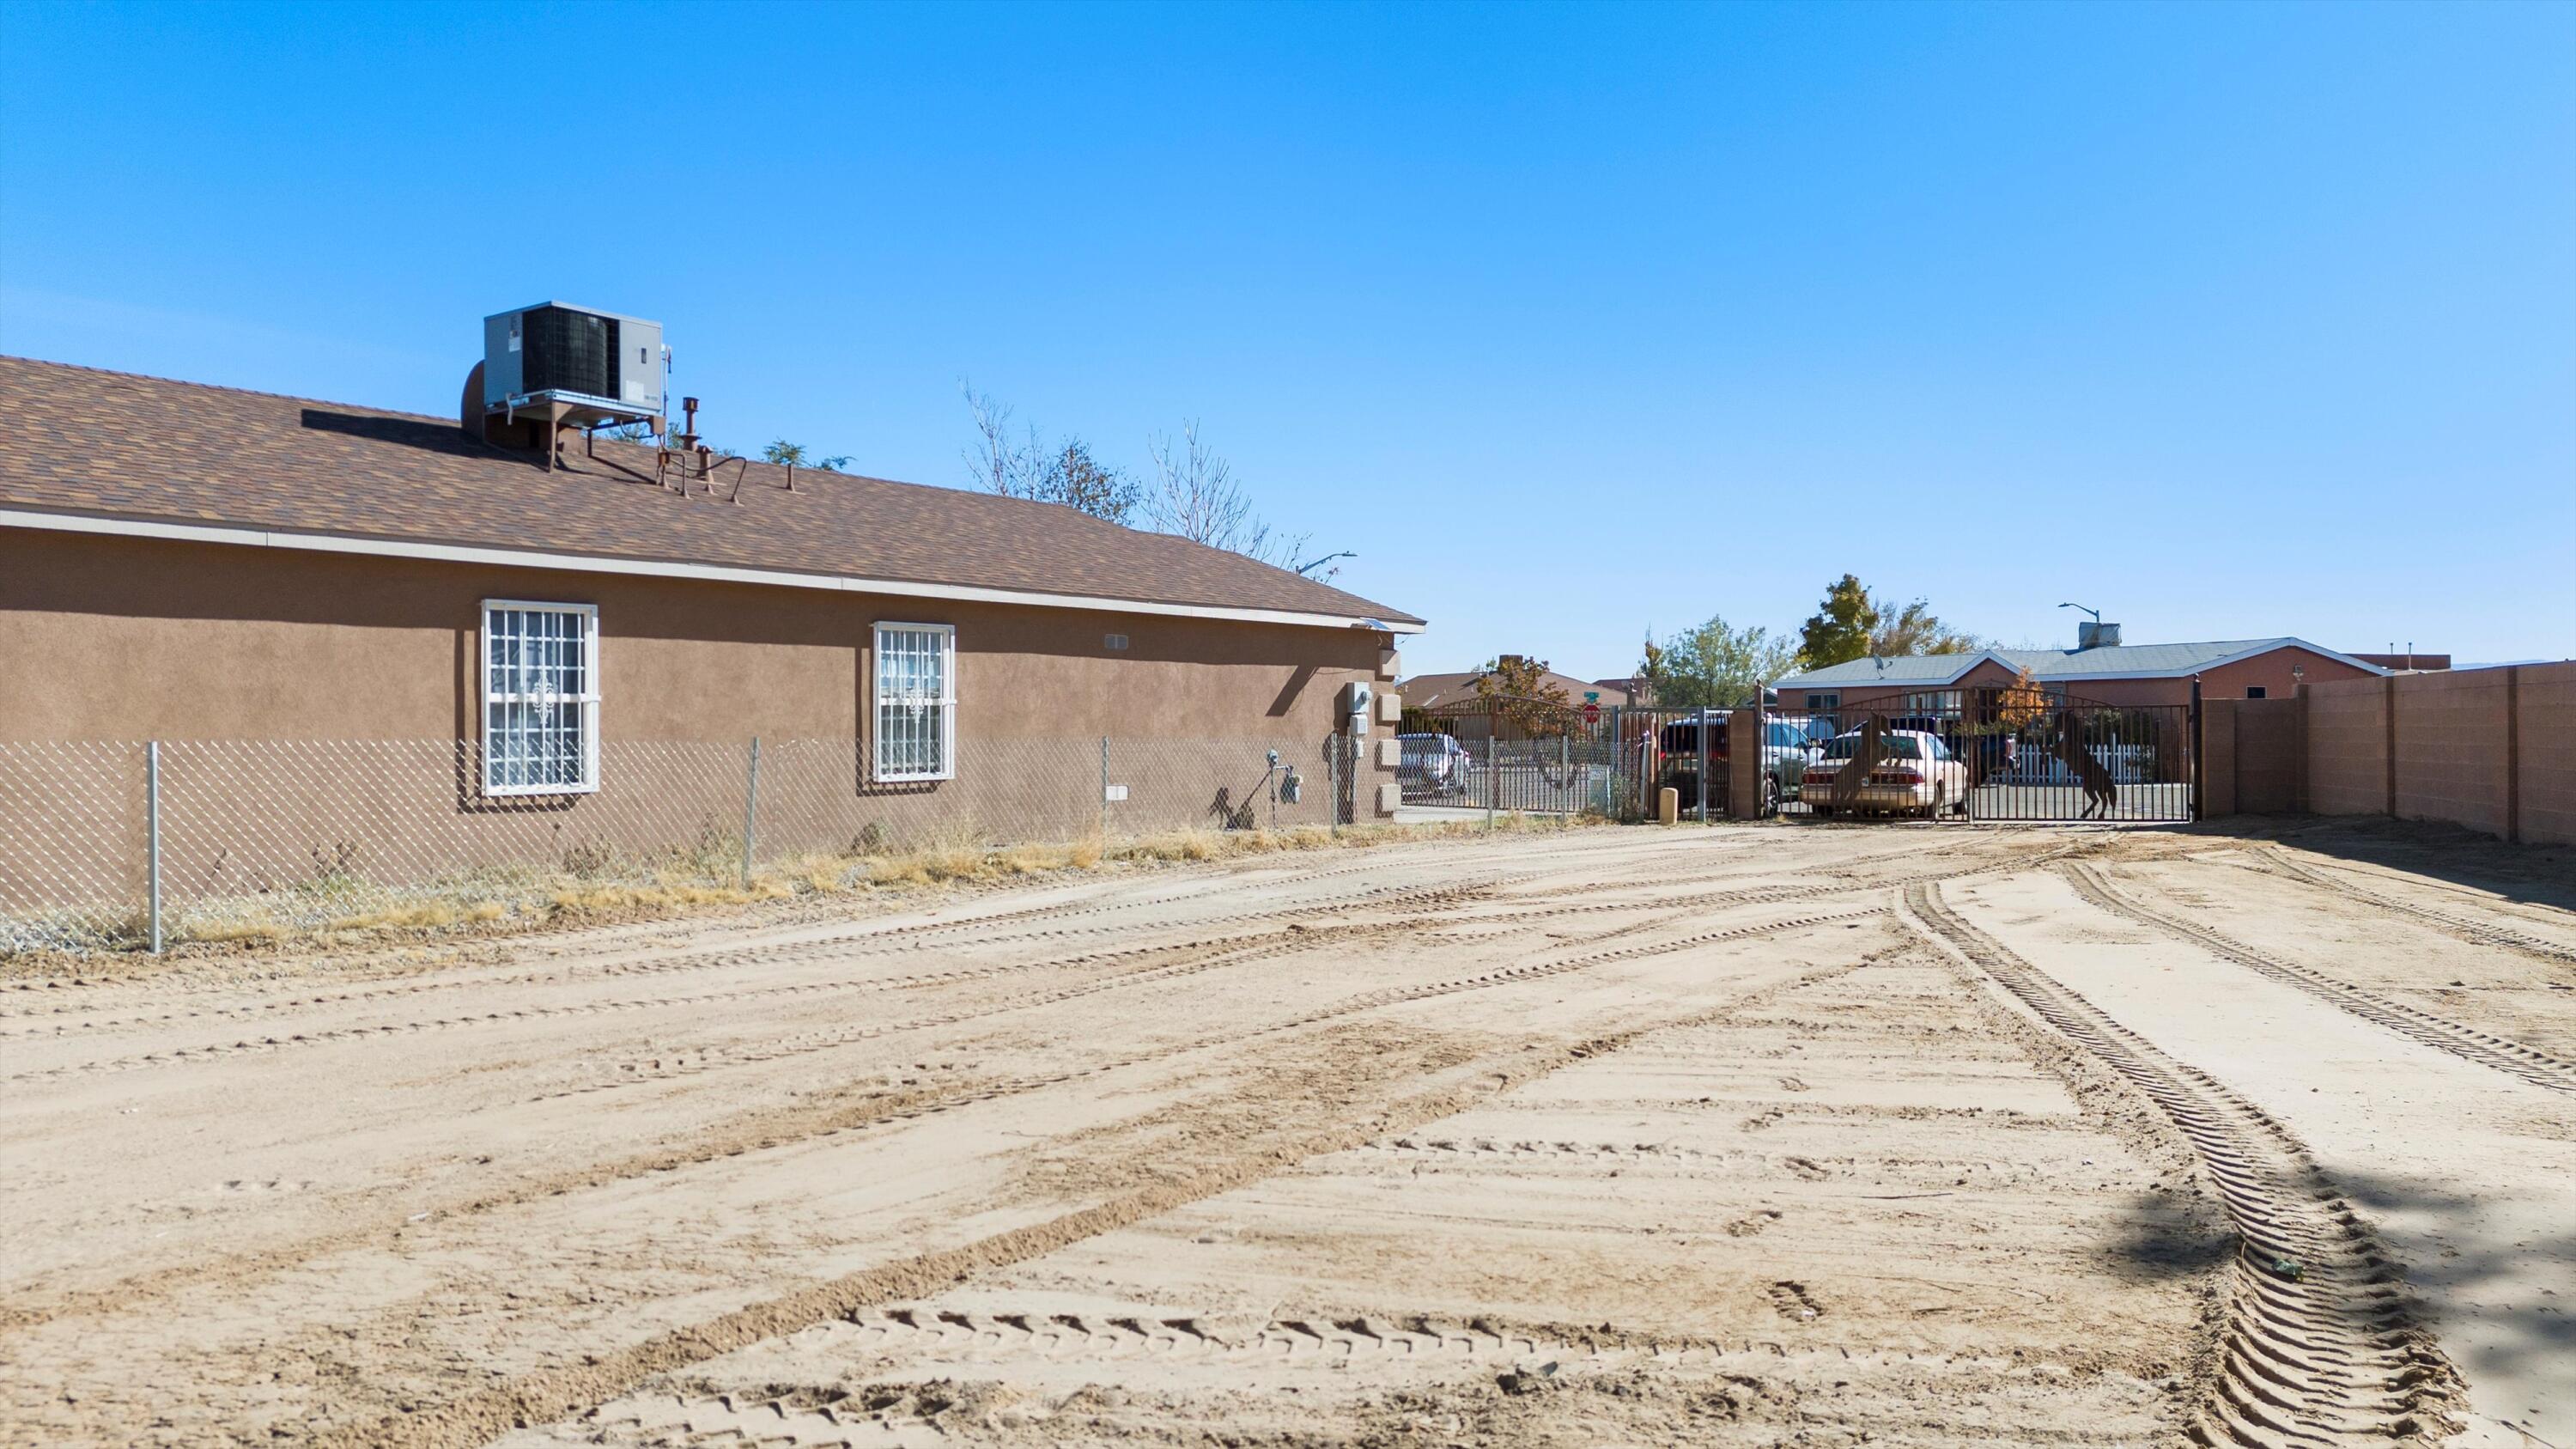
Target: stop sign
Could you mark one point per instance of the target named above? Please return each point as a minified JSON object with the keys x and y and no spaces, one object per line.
{"x":1591,"y":712}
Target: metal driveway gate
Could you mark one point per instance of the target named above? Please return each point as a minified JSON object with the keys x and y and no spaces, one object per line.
{"x":1511,"y":754}
{"x":2011,"y":753}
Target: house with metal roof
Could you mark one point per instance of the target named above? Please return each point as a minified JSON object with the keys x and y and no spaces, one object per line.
{"x":2126,"y":675}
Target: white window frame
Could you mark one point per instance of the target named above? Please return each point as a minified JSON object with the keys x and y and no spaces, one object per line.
{"x":945,"y":702}
{"x":587,"y":699}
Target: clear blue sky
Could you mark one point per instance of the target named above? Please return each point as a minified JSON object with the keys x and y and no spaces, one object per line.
{"x":2229,"y":320}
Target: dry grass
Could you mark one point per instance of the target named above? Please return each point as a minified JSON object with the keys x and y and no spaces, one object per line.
{"x":524,"y":900}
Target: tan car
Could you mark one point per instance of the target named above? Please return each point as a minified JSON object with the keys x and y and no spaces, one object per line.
{"x":1916,"y":774}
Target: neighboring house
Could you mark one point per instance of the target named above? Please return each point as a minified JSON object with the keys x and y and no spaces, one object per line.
{"x":2125,"y":675}
{"x":1456,"y":693}
{"x":1634,"y":689}
{"x":180,"y":561}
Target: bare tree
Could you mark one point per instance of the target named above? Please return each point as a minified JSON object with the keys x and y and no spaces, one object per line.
{"x":1195,"y":496}
{"x":1028,"y":468}
{"x":999,"y":464}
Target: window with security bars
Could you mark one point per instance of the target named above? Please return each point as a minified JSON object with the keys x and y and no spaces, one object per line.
{"x":540,"y":698}
{"x":916,"y":736}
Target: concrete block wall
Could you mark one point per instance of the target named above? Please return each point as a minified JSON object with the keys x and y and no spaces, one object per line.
{"x":2453,"y":733}
{"x":2271,"y":754}
{"x":2491,"y":749}
{"x":2218,"y":794}
{"x":2347,"y":745}
{"x":2545,"y":752}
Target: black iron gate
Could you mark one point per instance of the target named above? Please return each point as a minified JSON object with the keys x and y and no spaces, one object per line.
{"x":2013,"y":753}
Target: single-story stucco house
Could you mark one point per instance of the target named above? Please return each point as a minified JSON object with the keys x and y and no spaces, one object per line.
{"x":2127,"y":676}
{"x":184,"y":562}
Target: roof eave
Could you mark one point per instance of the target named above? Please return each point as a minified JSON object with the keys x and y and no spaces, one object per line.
{"x":119,"y":526}
{"x":1820,"y":681}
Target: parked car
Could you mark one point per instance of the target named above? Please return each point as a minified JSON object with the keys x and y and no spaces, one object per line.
{"x":1915,"y":773}
{"x":1436,"y":764}
{"x":1786,"y":754}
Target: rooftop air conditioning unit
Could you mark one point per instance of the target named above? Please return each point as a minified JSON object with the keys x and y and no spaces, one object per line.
{"x":572,"y":363}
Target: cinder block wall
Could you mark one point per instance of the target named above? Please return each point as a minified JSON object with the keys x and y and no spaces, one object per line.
{"x":2218,"y":758}
{"x":2451,"y":732}
{"x":2545,"y":752}
{"x":2491,"y":749}
{"x":2347,"y":730}
{"x":2271,"y":747}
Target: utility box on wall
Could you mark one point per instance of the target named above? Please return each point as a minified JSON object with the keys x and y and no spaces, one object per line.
{"x":1357,"y":702}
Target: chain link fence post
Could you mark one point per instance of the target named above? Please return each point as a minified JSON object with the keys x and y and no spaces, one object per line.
{"x":750,"y":811}
{"x":1104,"y":789}
{"x":1335,"y":772}
{"x":152,"y":832}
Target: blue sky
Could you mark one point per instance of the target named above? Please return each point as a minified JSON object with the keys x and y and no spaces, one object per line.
{"x":2232,"y":321}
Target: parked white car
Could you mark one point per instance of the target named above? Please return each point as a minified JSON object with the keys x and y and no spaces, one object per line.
{"x":1916,"y":773}
{"x":1433,"y":764}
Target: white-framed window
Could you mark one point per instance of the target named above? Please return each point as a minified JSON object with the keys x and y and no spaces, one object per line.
{"x":540,"y":698}
{"x":1824,"y":703}
{"x":916,"y":702}
{"x":1932,"y":701}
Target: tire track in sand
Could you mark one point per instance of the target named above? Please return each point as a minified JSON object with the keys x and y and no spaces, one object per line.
{"x":768,"y":1129}
{"x":2482,"y":933}
{"x":2323,"y":1346}
{"x":2441,"y":1033}
{"x":852,"y":947}
{"x":557,"y":1392}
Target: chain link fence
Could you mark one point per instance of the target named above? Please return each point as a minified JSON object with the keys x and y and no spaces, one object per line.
{"x":100,"y":842}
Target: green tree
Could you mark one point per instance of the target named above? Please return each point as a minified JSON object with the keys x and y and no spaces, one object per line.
{"x":1717,"y":666}
{"x":1854,"y":621}
{"x":1840,"y":629}
{"x":797,"y":455}
{"x":1914,"y":630}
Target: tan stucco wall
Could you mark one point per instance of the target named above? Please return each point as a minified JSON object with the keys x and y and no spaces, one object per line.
{"x":109,"y":638}
{"x":310,"y":707}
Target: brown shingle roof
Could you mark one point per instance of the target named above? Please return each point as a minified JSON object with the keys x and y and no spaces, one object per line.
{"x":118,"y":445}
{"x":1435,"y":691}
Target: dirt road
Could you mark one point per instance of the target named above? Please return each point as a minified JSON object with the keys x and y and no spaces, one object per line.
{"x":1729,"y":1136}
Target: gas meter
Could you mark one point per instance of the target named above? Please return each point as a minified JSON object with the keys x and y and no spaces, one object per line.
{"x":1288,"y":785}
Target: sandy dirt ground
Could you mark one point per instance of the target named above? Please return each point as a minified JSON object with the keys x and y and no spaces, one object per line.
{"x":1746,"y":1135}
